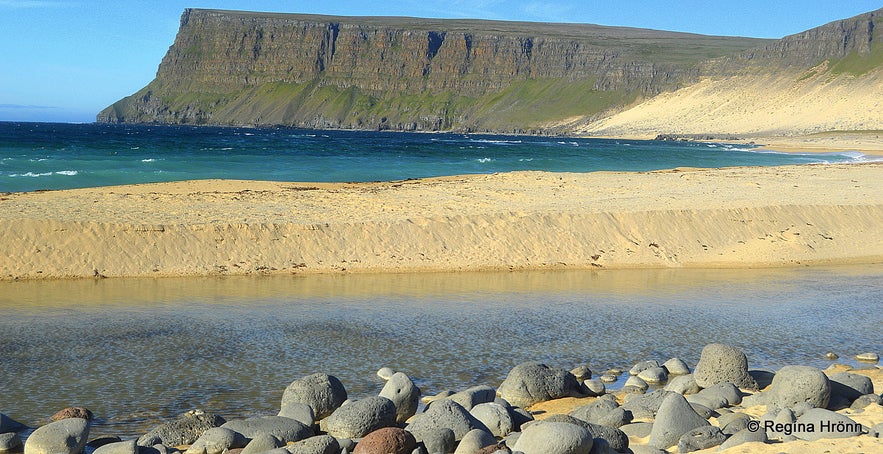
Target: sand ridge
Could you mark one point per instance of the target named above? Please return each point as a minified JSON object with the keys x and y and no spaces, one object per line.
{"x":731,"y":217}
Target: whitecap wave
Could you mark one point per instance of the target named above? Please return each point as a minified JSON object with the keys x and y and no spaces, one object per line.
{"x":69,"y":173}
{"x":483,"y":160}
{"x":148,"y":160}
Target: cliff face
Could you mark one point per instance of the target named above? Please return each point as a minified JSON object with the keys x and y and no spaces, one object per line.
{"x":240,"y":68}
{"x":411,"y":74}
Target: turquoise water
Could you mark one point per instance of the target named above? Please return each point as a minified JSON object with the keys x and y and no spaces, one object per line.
{"x":139,"y":351}
{"x":37,"y":156}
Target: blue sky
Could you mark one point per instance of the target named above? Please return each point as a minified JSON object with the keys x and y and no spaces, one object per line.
{"x":66,"y":60}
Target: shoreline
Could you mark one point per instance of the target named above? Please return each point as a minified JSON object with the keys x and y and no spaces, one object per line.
{"x":738,"y":217}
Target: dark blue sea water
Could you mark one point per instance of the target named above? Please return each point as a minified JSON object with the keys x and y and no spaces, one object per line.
{"x":37,"y":156}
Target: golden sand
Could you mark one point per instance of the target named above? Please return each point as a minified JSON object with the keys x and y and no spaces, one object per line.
{"x":711,"y":218}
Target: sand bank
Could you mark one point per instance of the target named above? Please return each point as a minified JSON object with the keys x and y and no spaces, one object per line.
{"x":734,"y":217}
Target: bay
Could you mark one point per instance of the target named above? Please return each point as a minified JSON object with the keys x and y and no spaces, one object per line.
{"x":35,"y":156}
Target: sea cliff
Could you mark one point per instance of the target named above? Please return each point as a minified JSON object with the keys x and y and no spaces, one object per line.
{"x":409,"y":74}
{"x":229,"y":67}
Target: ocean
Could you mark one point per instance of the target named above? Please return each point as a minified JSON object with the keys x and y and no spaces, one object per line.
{"x":38,"y":156}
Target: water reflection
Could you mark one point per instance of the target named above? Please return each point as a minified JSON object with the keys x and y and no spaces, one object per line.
{"x":137,"y":351}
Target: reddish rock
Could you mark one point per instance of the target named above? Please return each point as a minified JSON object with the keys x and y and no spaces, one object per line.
{"x":389,"y":440}
{"x":72,"y":412}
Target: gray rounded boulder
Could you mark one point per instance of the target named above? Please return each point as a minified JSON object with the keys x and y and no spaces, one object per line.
{"x":674,"y":418}
{"x":66,"y":436}
{"x":359,"y":418}
{"x":720,"y":363}
{"x":182,"y":431}
{"x":285,"y":429}
{"x":403,"y":393}
{"x":444,"y":413}
{"x":323,"y":392}
{"x":793,"y":385}
{"x":531,"y":382}
{"x":826,"y":424}
{"x":496,"y":417}
{"x":554,"y":438}
{"x":217,"y":440}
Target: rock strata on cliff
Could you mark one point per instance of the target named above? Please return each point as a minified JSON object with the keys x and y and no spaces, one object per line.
{"x":235,"y":68}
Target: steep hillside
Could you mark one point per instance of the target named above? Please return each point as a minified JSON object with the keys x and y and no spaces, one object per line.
{"x":826,"y":79}
{"x":236,"y":68}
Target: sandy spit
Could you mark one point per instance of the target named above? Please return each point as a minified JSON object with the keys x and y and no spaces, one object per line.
{"x":733,"y":217}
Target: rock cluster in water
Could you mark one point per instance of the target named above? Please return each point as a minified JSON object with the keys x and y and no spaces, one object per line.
{"x":316,"y":416}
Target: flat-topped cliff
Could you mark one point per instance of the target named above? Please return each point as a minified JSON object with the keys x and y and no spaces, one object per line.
{"x":245,"y":68}
{"x":229,"y":67}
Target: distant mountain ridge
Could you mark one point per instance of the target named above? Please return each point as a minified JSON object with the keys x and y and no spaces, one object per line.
{"x":243,"y":68}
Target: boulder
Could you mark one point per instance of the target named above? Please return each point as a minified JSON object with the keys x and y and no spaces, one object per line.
{"x":653,"y":375}
{"x":637,"y":429}
{"x":285,"y":429}
{"x":865,"y":400}
{"x":721,"y":395}
{"x":731,"y":423}
{"x":676,"y":366}
{"x":701,"y":438}
{"x":744,"y":436}
{"x":554,"y":438}
{"x":868,"y":357}
{"x":531,"y":382}
{"x":474,"y":441}
{"x":582,"y":372}
{"x":635,"y":384}
{"x":722,"y":363}
{"x":9,"y":441}
{"x":323,"y":392}
{"x":819,"y":423}
{"x":794,"y":385}
{"x":594,"y":388}
{"x":642,"y":366}
{"x":121,"y":447}
{"x":298,"y":411}
{"x":66,"y":436}
{"x":645,"y":406}
{"x":762,"y":377}
{"x":614,"y":438}
{"x":444,"y":414}
{"x":72,"y":412}
{"x":473,"y":396}
{"x":682,"y":384}
{"x":320,"y":444}
{"x":182,"y":431}
{"x":388,"y":440}
{"x":846,"y":387}
{"x":262,"y":442}
{"x":385,"y":373}
{"x":605,"y":412}
{"x":359,"y":418}
{"x":403,"y":393}
{"x":439,"y":439}
{"x":217,"y":440}
{"x":495,"y":417}
{"x":674,"y":418}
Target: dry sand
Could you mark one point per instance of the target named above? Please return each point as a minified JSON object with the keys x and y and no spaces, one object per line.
{"x":758,"y":104}
{"x":869,"y":417}
{"x":733,"y":217}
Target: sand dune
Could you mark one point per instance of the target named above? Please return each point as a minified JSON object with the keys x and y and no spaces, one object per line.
{"x":735,"y":217}
{"x":784,"y":103}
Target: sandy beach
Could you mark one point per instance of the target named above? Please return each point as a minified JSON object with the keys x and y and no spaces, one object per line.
{"x":711,"y":218}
